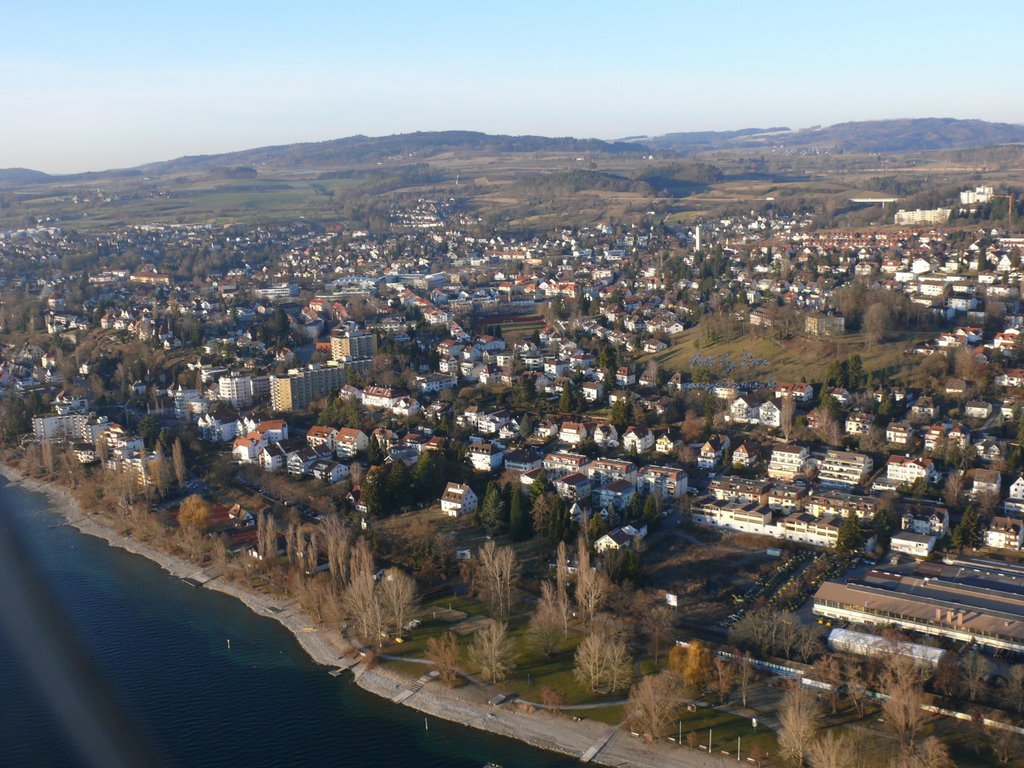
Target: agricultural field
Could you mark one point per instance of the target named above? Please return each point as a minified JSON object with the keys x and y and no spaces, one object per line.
{"x":790,"y":359}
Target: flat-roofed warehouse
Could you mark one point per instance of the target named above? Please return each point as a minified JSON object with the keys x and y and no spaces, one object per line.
{"x":987,"y":609}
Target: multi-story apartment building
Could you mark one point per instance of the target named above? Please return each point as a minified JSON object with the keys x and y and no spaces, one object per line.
{"x":839,"y":504}
{"x":844,"y":469}
{"x":353,"y":345}
{"x":302,"y":386}
{"x":666,"y":482}
{"x":740,"y":489}
{"x":237,"y":389}
{"x":787,"y":462}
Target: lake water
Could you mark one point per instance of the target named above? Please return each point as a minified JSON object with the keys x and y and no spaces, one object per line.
{"x":106,"y":659}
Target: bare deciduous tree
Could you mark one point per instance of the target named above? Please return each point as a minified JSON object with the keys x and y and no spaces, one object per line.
{"x":901,"y":681}
{"x":953,"y":488}
{"x":827,"y":670}
{"x":498,"y":571}
{"x":443,"y":653}
{"x":928,"y":753}
{"x":546,"y":625}
{"x":603,"y":662}
{"x":976,"y":669}
{"x":658,"y":625}
{"x":337,"y":539}
{"x":178,"y":457}
{"x":360,"y":599}
{"x":591,"y":585}
{"x":653,"y":703}
{"x":492,"y":652}
{"x":799,"y":718}
{"x":1013,"y":693}
{"x":833,"y":750}
{"x":1004,"y":742}
{"x":396,"y":591}
{"x":724,"y":677}
{"x":746,"y":674}
{"x":788,"y":414}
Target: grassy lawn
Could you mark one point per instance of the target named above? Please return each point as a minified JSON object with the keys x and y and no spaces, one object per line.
{"x":724,"y":729}
{"x":610,"y":715}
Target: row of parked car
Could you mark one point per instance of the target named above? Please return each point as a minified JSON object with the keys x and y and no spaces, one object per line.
{"x":769,"y":584}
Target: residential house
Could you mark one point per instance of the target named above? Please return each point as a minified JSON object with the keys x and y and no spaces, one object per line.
{"x":485,"y":456}
{"x":931,"y":521}
{"x":322,"y":437}
{"x":572,"y":433}
{"x":637,"y":439}
{"x":617,"y":494}
{"x":986,"y":481}
{"x":350,"y":441}
{"x":575,"y":486}
{"x":918,"y":545}
{"x":712,"y":452}
{"x":770,"y":414}
{"x":740,"y":489}
{"x":899,"y":433}
{"x":1004,"y":533}
{"x":562,"y":463}
{"x":606,"y":436}
{"x":906,"y":470}
{"x":837,"y":503}
{"x":328,"y":471}
{"x":620,"y":538}
{"x":746,"y":454}
{"x":458,"y":499}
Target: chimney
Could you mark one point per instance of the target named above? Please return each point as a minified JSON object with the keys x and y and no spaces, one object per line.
{"x":938,"y":614}
{"x":960,"y":618}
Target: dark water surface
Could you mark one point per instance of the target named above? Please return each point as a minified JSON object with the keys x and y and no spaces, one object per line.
{"x":146,"y":656}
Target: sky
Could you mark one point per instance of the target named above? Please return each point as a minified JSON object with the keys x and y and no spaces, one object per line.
{"x":109,"y":84}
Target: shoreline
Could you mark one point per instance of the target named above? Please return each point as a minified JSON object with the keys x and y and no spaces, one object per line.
{"x":470,"y":706}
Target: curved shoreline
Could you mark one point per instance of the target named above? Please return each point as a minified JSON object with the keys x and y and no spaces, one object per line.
{"x":470,"y":707}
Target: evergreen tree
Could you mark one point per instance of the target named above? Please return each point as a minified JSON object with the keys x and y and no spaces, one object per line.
{"x":565,"y":400}
{"x":372,"y":495}
{"x":850,"y":539}
{"x":494,"y":514}
{"x":399,"y":486}
{"x":636,"y":507}
{"x":520,"y":526}
{"x":651,"y":512}
{"x":426,"y":477}
{"x":620,"y":414}
{"x":967,"y":534}
{"x":149,"y":430}
{"x":540,"y":485}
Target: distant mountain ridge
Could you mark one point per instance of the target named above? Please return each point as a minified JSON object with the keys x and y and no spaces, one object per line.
{"x":907,"y":135}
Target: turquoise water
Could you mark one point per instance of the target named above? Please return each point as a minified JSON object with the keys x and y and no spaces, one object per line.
{"x":105,"y":659}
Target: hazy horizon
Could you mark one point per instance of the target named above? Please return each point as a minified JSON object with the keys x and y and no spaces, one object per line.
{"x":124,"y":84}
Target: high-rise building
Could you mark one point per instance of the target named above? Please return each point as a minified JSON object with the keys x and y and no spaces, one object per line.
{"x":237,"y":389}
{"x":303,"y":386}
{"x":353,"y":345}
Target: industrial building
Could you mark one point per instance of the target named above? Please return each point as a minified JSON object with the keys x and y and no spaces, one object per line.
{"x":974,"y":603}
